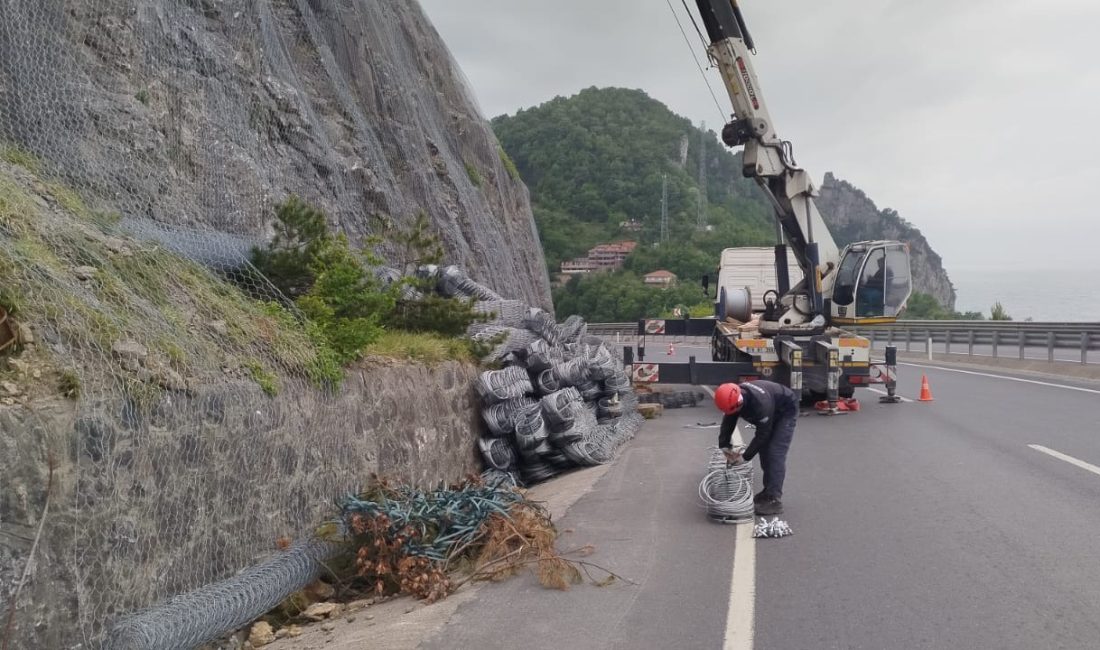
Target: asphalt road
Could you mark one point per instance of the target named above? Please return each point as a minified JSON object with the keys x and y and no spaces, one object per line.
{"x":919,"y":525}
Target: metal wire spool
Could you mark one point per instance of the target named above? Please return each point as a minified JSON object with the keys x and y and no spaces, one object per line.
{"x":499,"y":385}
{"x":727,"y":491}
{"x":498,"y":453}
{"x":547,"y":383}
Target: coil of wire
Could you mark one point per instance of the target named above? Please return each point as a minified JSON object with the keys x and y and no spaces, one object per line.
{"x":499,"y":385}
{"x":726,"y":491}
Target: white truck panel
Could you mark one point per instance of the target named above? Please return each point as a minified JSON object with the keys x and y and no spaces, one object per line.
{"x":754,"y":267}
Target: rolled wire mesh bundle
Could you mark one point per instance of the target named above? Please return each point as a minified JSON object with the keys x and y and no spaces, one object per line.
{"x":590,"y":391}
{"x":498,"y":453}
{"x":538,"y":471}
{"x":389,"y":276}
{"x":453,"y":282}
{"x":531,"y":432}
{"x":558,"y":408}
{"x":547,"y":383}
{"x":495,"y":478}
{"x":533,"y":455}
{"x":503,"y":312}
{"x":502,"y":417}
{"x":726,"y":491}
{"x":566,"y":436}
{"x":572,"y":330}
{"x":205,"y":614}
{"x":542,"y":324}
{"x":578,"y":453}
{"x":601,"y":364}
{"x":517,"y":339}
{"x":538,"y":356}
{"x":558,"y":460}
{"x":617,"y":381}
{"x":572,"y":373}
{"x":609,"y":408}
{"x":498,"y":385}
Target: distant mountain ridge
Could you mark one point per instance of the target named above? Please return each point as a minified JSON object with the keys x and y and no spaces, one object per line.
{"x":603,"y":156}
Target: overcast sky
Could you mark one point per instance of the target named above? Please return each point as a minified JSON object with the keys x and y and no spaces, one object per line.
{"x":976,"y":120}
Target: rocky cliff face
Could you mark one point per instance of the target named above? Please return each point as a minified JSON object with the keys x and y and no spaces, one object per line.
{"x":205,"y":113}
{"x":852,"y":216}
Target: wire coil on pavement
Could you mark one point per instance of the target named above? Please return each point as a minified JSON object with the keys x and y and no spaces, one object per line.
{"x":726,"y":491}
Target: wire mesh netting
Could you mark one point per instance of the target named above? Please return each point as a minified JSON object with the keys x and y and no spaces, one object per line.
{"x":143,"y":147}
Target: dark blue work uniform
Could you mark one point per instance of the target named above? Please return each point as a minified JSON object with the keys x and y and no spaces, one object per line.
{"x":773,"y":409}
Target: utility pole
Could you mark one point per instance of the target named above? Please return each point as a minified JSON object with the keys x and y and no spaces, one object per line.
{"x":664,"y":208}
{"x":702,"y":220}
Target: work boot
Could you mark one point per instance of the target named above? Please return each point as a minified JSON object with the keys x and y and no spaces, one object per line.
{"x":769,"y":506}
{"x":762,"y":495}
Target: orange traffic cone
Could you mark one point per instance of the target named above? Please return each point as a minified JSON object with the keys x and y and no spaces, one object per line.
{"x":671,"y":351}
{"x":925,"y":391}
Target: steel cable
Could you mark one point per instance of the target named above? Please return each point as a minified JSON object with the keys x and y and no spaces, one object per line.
{"x":726,"y":491}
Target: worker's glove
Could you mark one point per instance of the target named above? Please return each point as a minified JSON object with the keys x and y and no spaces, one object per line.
{"x":733,"y":457}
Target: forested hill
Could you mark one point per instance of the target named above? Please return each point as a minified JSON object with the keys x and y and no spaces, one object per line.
{"x":597,"y":159}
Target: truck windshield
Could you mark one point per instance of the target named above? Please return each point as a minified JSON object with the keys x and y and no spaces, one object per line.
{"x":844,"y":291}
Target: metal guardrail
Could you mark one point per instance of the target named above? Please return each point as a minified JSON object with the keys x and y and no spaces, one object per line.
{"x":1003,"y":338}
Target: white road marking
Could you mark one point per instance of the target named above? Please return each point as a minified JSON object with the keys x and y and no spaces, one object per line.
{"x":1004,"y":377}
{"x":882,"y":392}
{"x":1069,"y":459}
{"x":741,"y":614}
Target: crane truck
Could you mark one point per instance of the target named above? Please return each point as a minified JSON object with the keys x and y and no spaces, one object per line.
{"x":797,"y":338}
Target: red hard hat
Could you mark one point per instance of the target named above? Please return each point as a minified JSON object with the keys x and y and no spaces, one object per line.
{"x":728,"y":398}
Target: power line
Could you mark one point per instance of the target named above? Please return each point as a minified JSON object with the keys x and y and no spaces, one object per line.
{"x":698,"y":65}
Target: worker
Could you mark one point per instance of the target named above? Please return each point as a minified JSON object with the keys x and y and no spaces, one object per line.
{"x":773,"y":408}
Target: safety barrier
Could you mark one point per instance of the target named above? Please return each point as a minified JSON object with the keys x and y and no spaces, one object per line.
{"x":976,"y":338}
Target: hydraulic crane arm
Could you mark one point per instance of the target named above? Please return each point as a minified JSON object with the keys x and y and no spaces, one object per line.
{"x":767,"y":158}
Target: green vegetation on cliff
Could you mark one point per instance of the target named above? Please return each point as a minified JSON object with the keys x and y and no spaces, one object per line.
{"x":597,"y":159}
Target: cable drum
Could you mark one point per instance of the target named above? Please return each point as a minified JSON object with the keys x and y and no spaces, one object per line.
{"x":726,"y":492}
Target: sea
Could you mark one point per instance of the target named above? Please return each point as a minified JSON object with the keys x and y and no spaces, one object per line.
{"x":1046,"y":295}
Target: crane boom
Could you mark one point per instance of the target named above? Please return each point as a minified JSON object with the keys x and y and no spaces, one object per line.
{"x":767,"y":158}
